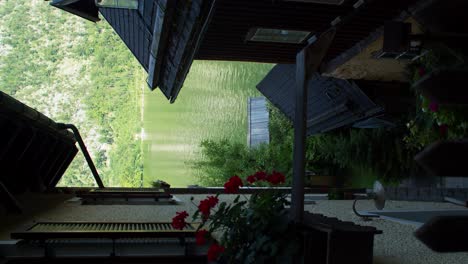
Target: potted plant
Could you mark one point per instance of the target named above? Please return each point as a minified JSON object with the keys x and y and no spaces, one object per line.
{"x":251,"y":229}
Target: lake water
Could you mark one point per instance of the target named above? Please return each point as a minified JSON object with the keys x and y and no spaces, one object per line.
{"x":211,"y":105}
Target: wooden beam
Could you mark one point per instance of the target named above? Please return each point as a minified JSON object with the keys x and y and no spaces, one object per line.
{"x":156,"y":43}
{"x":308,"y":61}
{"x":300,"y":129}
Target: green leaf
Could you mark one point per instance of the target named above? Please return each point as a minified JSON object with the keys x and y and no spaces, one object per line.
{"x":195,"y":215}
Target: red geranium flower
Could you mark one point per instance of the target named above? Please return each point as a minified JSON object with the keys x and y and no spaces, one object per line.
{"x":258,"y":176}
{"x":212,"y":201}
{"x":214,"y":251}
{"x":233,"y":184}
{"x":178,"y":222}
{"x":251,"y":179}
{"x":276,"y":178}
{"x":206,"y":205}
{"x":261,"y":175}
{"x":200,"y":237}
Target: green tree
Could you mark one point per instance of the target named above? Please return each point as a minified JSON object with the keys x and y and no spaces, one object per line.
{"x":79,"y":72}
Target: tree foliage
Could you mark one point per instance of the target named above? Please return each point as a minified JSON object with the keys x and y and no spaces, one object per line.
{"x":76,"y":72}
{"x":379,"y":150}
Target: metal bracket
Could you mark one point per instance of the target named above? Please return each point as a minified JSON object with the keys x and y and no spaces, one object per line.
{"x":364,"y":217}
{"x":84,"y":150}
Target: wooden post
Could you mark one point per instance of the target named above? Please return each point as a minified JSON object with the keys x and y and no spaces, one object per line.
{"x":300,"y":129}
{"x":308,"y":61}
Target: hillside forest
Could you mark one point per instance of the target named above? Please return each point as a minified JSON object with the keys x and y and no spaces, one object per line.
{"x":78,"y":72}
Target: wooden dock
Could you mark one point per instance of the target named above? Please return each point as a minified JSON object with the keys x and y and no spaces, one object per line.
{"x":257,"y":121}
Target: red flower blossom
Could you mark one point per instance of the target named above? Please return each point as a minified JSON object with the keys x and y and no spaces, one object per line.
{"x":251,"y":179}
{"x":200,"y":237}
{"x":204,"y":208}
{"x":434,"y":106}
{"x":443,"y":130}
{"x":233,"y":184}
{"x":206,"y":205}
{"x":276,"y":178}
{"x":258,"y":176}
{"x":261,"y":175}
{"x":178,"y":222}
{"x":214,"y":251}
{"x":213,"y":201}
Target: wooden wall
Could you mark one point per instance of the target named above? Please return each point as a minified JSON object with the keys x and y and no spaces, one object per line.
{"x":226,"y":35}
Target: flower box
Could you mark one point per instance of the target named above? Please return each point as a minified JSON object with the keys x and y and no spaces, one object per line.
{"x":257,"y":229}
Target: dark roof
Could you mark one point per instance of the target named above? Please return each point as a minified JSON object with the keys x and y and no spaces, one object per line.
{"x":34,"y":152}
{"x":332,"y":103}
{"x":132,"y":29}
{"x":83,"y":8}
{"x":164,"y":46}
{"x":166,"y":36}
{"x":162,"y":34}
{"x":186,"y":31}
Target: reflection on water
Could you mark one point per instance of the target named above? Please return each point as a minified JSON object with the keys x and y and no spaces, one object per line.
{"x":212,"y":104}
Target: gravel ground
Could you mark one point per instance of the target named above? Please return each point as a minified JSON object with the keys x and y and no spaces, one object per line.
{"x":396,"y":245}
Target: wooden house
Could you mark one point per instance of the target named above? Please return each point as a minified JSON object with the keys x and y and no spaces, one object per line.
{"x":167,"y":35}
{"x":34,"y":151}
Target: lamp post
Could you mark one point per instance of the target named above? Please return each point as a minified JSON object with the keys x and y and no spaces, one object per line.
{"x":377,"y":194}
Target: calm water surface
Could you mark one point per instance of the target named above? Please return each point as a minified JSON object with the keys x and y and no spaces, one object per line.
{"x":211,"y":105}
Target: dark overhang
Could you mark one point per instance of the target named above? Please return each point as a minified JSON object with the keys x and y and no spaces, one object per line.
{"x":34,"y":150}
{"x":164,"y":36}
{"x":161,"y":26}
{"x":191,"y":35}
{"x":86,"y":9}
{"x":332,"y":102}
{"x":346,"y":55}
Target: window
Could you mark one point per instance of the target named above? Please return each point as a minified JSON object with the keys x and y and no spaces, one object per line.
{"x":128,"y":4}
{"x":326,"y":2}
{"x":277,"y":35}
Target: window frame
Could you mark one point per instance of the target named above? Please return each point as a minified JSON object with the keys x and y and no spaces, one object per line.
{"x":253,"y":31}
{"x":116,"y":4}
{"x":322,"y":2}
